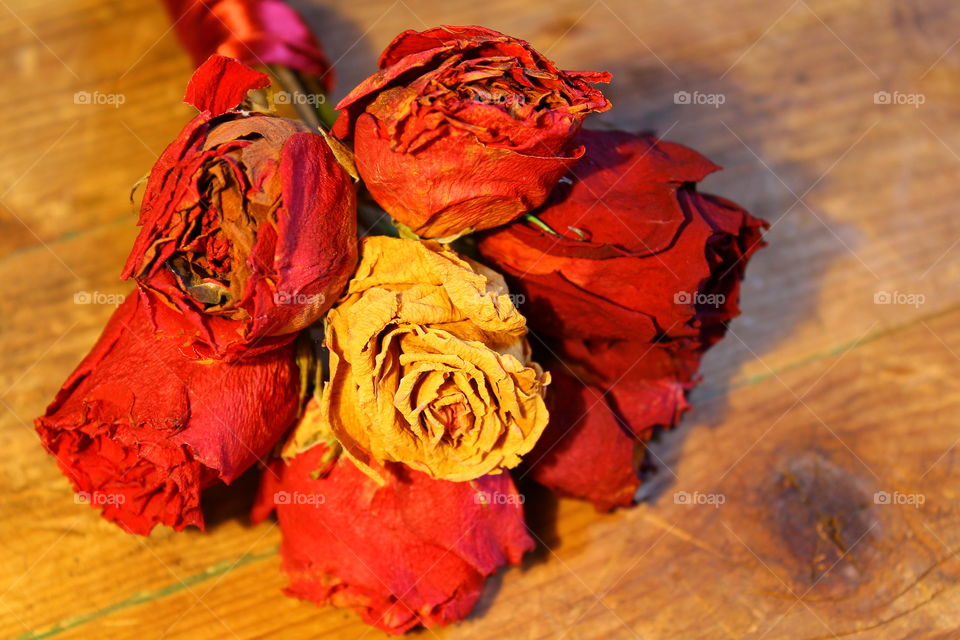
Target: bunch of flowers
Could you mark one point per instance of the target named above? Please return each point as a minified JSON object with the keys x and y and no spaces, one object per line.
{"x":536,"y":301}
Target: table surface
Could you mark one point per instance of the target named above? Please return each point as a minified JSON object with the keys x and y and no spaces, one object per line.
{"x":818,"y":398}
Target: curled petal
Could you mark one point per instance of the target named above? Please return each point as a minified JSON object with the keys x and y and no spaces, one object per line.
{"x":220,"y":84}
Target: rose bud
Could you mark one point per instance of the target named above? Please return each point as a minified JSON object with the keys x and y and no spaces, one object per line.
{"x":248,"y":222}
{"x":429,"y":365}
{"x":593,"y":446}
{"x":413,"y":551}
{"x":255,"y":32}
{"x":464,"y":128}
{"x":627,"y":249}
{"x":140,"y":430}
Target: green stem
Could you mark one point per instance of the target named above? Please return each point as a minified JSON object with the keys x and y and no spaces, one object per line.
{"x":537,"y":222}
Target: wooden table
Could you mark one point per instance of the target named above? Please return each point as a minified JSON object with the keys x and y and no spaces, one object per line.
{"x":818,"y":398}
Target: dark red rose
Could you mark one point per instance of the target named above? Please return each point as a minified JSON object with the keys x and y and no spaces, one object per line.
{"x":606,"y":362}
{"x":140,"y":430}
{"x":590,"y":449}
{"x":606,"y":400}
{"x":465,"y":128}
{"x":413,"y":552}
{"x":255,"y":32}
{"x":248,"y":222}
{"x":636,"y":252}
{"x":631,"y":275}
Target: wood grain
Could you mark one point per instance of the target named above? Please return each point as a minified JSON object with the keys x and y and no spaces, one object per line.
{"x":817,"y":400}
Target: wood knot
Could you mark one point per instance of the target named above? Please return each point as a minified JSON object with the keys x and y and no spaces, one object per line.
{"x":822,"y":516}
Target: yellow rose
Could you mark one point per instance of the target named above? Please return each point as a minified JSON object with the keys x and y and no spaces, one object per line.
{"x":429,"y":365}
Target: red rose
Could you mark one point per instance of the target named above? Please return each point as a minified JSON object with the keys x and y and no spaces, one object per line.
{"x":413,"y":552}
{"x":255,"y":32}
{"x":465,"y":128}
{"x":248,"y":222}
{"x":636,"y":252}
{"x":140,"y":430}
